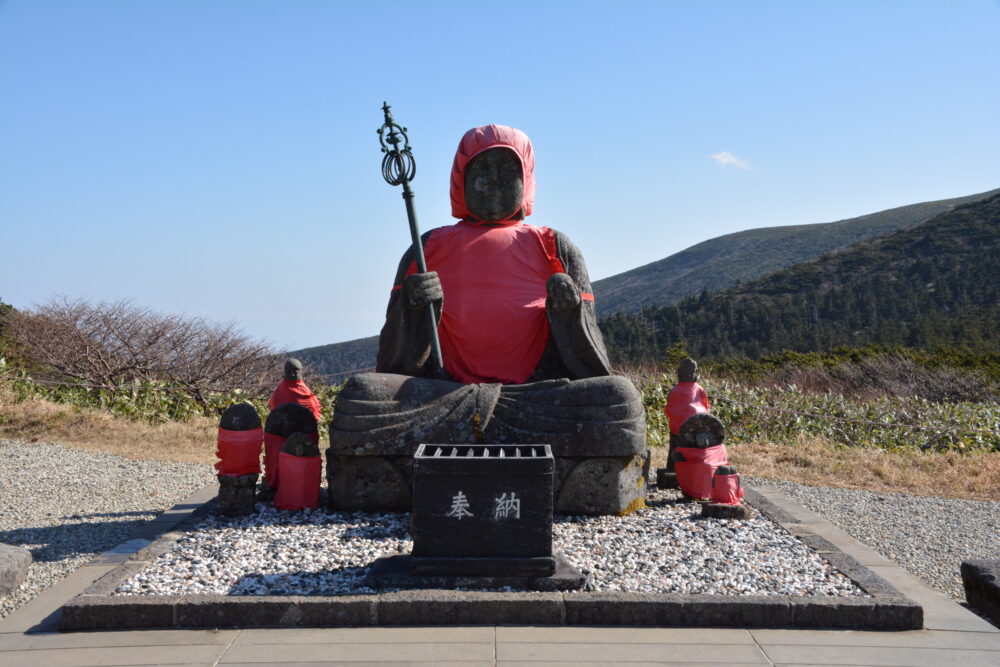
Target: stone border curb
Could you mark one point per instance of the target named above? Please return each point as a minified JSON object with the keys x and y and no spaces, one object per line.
{"x":981,"y":580}
{"x":887,"y":609}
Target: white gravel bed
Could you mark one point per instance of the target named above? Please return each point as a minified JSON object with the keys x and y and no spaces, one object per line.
{"x":926,"y":535}
{"x":67,"y":505}
{"x":667,"y":548}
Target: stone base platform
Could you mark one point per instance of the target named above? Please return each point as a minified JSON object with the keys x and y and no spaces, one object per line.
{"x":665,"y":479}
{"x":395,"y":572}
{"x":600,"y":485}
{"x":886,"y":608}
{"x":723,"y":511}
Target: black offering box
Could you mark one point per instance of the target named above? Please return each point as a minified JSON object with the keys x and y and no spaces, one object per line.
{"x":482,"y":510}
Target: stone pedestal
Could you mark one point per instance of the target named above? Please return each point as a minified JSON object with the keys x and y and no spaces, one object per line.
{"x":595,"y":426}
{"x":391,"y":572}
{"x":14,"y":562}
{"x":237,"y":494}
{"x":666,"y":479}
{"x":721,"y":511}
{"x":596,"y":485}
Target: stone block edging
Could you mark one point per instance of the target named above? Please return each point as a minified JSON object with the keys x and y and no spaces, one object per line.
{"x":981,"y":580}
{"x":886,"y":609}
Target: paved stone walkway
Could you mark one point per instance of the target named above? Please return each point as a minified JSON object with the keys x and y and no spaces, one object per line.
{"x":953,"y":636}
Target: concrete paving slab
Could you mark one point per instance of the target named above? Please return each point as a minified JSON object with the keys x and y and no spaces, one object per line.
{"x":604,"y":663}
{"x":940,"y":613}
{"x":598,"y":634}
{"x":131,"y":655}
{"x":62,"y":640}
{"x":911,"y":638}
{"x":628,"y":653}
{"x":375,"y":635}
{"x":366,"y":663}
{"x":878,"y":655}
{"x":396,"y":652}
{"x":41,"y":614}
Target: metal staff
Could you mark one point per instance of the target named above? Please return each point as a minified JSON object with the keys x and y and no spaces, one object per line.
{"x":399,"y":168}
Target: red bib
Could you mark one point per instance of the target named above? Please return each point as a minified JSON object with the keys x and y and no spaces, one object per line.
{"x":295,"y":392}
{"x":493,"y":325}
{"x":685,"y":401}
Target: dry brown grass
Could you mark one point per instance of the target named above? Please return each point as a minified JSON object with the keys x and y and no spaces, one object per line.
{"x":821,"y":463}
{"x":190,"y":442}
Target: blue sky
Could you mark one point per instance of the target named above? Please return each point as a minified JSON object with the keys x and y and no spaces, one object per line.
{"x":219,"y":158}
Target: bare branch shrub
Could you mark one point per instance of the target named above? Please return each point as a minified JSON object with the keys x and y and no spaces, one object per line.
{"x":115,"y":343}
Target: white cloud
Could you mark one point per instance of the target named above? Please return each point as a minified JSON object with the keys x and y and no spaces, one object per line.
{"x":727,"y":159}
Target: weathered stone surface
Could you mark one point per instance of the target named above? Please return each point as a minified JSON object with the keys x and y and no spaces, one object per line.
{"x":395,"y":572}
{"x":702,"y":430}
{"x":290,"y":418}
{"x":103,"y":612}
{"x":14,"y":562}
{"x":223,"y":611}
{"x":592,"y":417}
{"x":437,"y":607}
{"x":603,"y":486}
{"x":981,"y":579}
{"x":382,"y":414}
{"x":265,"y":493}
{"x":721,"y":511}
{"x":240,"y":417}
{"x":494,"y":185}
{"x":237,"y":494}
{"x":855,"y":613}
{"x":292,"y":370}
{"x":369,"y":483}
{"x":642,"y":609}
{"x":300,"y":444}
{"x":345,"y":611}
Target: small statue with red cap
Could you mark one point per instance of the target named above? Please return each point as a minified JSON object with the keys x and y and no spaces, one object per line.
{"x":292,"y":389}
{"x":524,"y":360}
{"x":686,"y":399}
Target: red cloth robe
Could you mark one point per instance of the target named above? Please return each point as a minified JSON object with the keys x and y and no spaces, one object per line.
{"x":295,"y":392}
{"x":686,"y":400}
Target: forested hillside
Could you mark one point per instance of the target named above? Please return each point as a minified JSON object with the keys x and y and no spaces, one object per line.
{"x":339,"y":357}
{"x":724,"y":261}
{"x":934,"y":284}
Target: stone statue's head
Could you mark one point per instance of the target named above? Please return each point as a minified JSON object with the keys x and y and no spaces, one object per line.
{"x":687,"y":370}
{"x":494,"y":186}
{"x":293,"y":370}
{"x":493,"y":176}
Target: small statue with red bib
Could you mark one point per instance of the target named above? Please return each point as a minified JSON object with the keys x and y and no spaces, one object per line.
{"x":293,"y":390}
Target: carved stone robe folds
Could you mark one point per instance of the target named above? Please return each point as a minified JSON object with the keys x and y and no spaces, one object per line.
{"x":521,"y":373}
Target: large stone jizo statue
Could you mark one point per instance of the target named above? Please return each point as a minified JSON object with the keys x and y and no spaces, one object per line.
{"x":525,"y":359}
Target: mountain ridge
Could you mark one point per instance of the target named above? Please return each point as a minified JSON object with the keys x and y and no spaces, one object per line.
{"x":726,"y":260}
{"x":934,"y":284}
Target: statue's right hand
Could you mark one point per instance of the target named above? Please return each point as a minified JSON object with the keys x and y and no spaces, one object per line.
{"x":422,"y":288}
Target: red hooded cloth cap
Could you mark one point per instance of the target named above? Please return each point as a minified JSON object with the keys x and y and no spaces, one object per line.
{"x":479,"y":139}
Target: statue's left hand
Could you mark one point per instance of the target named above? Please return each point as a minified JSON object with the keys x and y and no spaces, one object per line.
{"x":563,"y":294}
